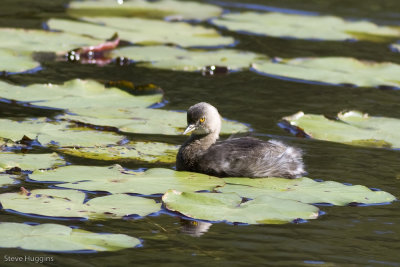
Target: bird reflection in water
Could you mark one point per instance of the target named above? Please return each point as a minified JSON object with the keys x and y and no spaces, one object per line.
{"x":194,"y":228}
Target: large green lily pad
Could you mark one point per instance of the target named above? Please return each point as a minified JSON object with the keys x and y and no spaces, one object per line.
{"x":229,"y":207}
{"x":13,"y":61}
{"x":334,"y":70}
{"x":143,"y":31}
{"x":5,"y":179}
{"x":18,"y":45}
{"x":30,"y":162}
{"x":142,"y":8}
{"x":76,"y":94}
{"x":141,"y":120}
{"x":42,"y":41}
{"x":55,"y":237}
{"x":365,"y":121}
{"x":16,"y":130}
{"x":353,"y":127}
{"x":61,"y":135}
{"x":56,"y":133}
{"x":172,"y":58}
{"x":143,"y":151}
{"x":115,"y":180}
{"x":306,"y":27}
{"x":70,"y":203}
{"x":76,"y":173}
{"x":305,"y":190}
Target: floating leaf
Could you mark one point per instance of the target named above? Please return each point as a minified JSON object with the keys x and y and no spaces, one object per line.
{"x":5,"y":179}
{"x":166,"y":57}
{"x":121,"y":205}
{"x":63,"y":136}
{"x":334,"y":70}
{"x":143,"y":31}
{"x":305,"y":190}
{"x":140,"y":120}
{"x":76,"y":94}
{"x":305,"y":27}
{"x":363,"y":120}
{"x":353,"y":128}
{"x":142,"y":151}
{"x":7,"y":143}
{"x":76,"y":173}
{"x":42,"y":41}
{"x":229,"y":207}
{"x":55,"y":237}
{"x":16,"y":130}
{"x":13,"y":61}
{"x":56,"y":133}
{"x":18,"y":45}
{"x":148,"y":9}
{"x":152,"y":181}
{"x":70,"y":203}
{"x":113,"y":180}
{"x":30,"y":162}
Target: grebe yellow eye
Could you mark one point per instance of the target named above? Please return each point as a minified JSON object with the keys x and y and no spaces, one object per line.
{"x":202,"y":119}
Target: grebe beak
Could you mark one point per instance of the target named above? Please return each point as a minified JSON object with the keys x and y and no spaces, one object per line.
{"x":190,"y":128}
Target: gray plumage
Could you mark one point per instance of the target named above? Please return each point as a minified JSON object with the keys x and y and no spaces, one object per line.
{"x":234,"y":157}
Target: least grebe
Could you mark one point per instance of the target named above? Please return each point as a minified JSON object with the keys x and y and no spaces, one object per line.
{"x":234,"y":157}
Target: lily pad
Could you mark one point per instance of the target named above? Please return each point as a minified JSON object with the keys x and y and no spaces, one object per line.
{"x":230,"y":207}
{"x":305,"y":27}
{"x":56,"y":133}
{"x":353,"y":127}
{"x":305,"y":190}
{"x":143,"y":31}
{"x":42,"y":41}
{"x":76,"y":94}
{"x":30,"y":162}
{"x":7,"y":143}
{"x":13,"y":61}
{"x":334,"y":70}
{"x":143,"y":151}
{"x":140,"y":120}
{"x":141,"y":8}
{"x":55,"y":237}
{"x":5,"y":179}
{"x":152,"y":181}
{"x":113,"y":180}
{"x":70,"y":204}
{"x":76,"y":173}
{"x":61,"y":135}
{"x":365,"y":121}
{"x":17,"y":46}
{"x":172,"y":58}
{"x":16,"y":130}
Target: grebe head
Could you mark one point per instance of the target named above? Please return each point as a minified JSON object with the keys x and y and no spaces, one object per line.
{"x":203,"y":119}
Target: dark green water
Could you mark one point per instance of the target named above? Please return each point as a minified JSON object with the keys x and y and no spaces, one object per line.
{"x":355,"y":236}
